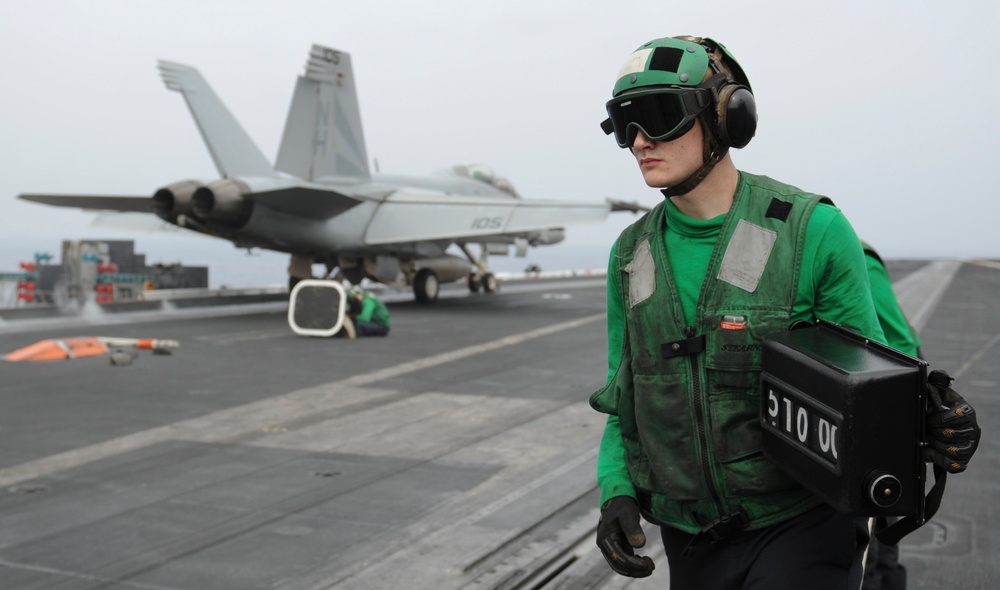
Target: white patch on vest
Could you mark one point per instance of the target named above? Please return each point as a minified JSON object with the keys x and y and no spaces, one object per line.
{"x":641,"y":275}
{"x":746,"y":255}
{"x":635,"y":63}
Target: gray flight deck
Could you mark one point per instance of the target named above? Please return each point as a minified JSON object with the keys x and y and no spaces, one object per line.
{"x":459,"y":452}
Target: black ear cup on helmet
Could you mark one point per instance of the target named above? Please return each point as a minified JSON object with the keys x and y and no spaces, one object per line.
{"x":736,"y":110}
{"x":736,"y":116}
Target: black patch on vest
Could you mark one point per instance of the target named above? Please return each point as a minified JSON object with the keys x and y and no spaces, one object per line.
{"x":666,"y":59}
{"x":779,"y":210}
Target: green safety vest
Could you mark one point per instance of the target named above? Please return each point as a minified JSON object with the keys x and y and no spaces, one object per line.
{"x":687,"y":397}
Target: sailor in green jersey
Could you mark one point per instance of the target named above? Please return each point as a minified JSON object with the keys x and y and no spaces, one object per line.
{"x":372,"y":316}
{"x":693,"y":286}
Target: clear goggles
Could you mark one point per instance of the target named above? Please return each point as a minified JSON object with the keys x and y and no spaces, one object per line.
{"x":660,"y":113}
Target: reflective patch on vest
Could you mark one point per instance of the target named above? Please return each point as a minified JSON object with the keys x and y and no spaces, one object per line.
{"x":641,"y":275}
{"x":746,"y":255}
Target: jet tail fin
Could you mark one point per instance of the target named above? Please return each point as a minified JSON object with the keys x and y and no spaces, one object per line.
{"x":232,"y":150}
{"x":323,"y":135}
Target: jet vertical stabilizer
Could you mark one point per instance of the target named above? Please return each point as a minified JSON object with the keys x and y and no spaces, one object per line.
{"x":323,"y":136}
{"x":232,"y":150}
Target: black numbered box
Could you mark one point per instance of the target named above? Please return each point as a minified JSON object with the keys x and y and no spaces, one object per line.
{"x":844,"y":416}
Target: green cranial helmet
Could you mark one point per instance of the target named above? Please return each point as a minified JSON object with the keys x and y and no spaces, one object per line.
{"x":669,"y":83}
{"x":664,"y":62}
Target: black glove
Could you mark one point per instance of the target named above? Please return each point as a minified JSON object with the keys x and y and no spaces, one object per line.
{"x":618,"y":532}
{"x":952,"y":427}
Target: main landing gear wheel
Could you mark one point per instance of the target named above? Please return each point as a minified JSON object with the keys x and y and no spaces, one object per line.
{"x":473,"y":282}
{"x":426,"y":285}
{"x":490,"y":284}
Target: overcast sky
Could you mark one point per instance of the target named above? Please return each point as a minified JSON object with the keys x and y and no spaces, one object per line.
{"x":887,"y":107}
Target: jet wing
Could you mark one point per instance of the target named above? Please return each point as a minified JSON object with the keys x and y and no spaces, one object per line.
{"x":94,"y":202}
{"x":411,"y":215}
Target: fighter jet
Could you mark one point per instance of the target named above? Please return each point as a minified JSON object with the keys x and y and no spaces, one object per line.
{"x":321,"y":203}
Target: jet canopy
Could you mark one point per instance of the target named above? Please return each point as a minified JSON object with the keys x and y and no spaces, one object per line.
{"x":486,"y":175}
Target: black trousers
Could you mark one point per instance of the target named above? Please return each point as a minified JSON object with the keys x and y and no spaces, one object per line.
{"x":370,"y":329}
{"x":882,"y":568}
{"x":819,"y":550}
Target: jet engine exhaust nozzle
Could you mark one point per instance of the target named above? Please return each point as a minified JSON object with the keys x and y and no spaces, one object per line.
{"x":223,"y":202}
{"x":174,"y":199}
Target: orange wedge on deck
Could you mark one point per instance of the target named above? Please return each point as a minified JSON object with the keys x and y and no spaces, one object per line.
{"x":51,"y":350}
{"x":74,"y":348}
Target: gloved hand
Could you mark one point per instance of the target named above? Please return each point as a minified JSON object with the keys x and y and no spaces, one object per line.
{"x":618,"y":532}
{"x":952,"y":428}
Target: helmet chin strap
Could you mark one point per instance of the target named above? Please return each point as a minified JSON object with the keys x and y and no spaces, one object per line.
{"x":712,"y":151}
{"x":688,"y":184}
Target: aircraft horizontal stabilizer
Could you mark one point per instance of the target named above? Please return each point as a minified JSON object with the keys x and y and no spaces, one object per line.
{"x":93,"y":202}
{"x":305,"y":202}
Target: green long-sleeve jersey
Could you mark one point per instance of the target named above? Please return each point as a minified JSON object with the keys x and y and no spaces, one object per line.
{"x":899,"y":334}
{"x":373,"y":310}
